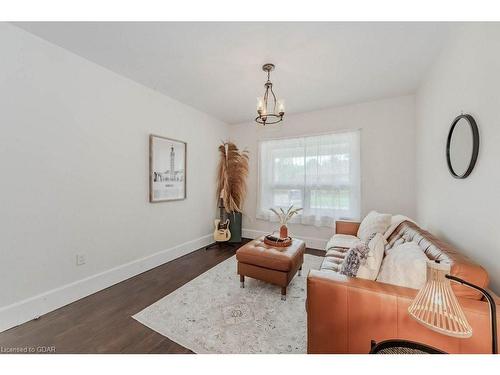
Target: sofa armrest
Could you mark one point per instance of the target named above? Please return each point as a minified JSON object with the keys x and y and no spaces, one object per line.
{"x":344,"y":314}
{"x":347,"y":227}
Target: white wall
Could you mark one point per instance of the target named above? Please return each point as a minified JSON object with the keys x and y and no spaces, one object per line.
{"x":74,"y":177}
{"x":465,"y":78}
{"x":387,"y":157}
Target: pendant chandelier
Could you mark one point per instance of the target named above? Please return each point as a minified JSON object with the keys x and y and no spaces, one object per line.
{"x":270,"y":109}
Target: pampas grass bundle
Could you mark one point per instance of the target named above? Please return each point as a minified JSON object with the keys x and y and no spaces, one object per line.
{"x":285,"y":216}
{"x":232,"y":173}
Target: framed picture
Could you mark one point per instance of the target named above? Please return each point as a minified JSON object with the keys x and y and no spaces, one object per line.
{"x":167,"y":169}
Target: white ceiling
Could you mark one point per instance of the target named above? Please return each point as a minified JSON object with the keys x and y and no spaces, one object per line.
{"x":216,"y":67}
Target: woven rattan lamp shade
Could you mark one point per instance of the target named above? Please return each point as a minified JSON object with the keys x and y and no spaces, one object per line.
{"x":437,"y":307}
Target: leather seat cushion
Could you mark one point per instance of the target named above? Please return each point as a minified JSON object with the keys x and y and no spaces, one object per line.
{"x":332,"y":264}
{"x":258,"y":253}
{"x":337,"y":252}
{"x":334,"y":259}
{"x":342,"y":240}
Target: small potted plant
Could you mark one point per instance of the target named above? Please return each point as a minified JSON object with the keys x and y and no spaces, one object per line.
{"x":284,"y":217}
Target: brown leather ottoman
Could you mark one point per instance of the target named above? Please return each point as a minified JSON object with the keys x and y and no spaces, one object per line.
{"x":275,"y":265}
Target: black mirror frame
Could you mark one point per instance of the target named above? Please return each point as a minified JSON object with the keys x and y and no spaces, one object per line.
{"x":475,"y":145}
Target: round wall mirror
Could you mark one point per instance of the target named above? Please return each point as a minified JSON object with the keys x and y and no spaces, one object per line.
{"x":462,"y":146}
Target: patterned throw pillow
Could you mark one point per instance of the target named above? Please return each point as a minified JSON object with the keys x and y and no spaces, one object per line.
{"x":356,"y":255}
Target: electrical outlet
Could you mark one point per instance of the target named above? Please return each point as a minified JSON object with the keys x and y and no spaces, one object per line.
{"x":81,"y":259}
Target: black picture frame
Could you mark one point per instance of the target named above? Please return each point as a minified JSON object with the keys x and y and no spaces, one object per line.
{"x":475,"y":145}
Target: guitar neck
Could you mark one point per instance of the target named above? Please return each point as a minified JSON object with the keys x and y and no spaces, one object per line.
{"x":221,"y":209}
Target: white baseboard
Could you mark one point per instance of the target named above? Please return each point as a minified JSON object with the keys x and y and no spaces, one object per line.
{"x":311,"y":242}
{"x":33,"y":307}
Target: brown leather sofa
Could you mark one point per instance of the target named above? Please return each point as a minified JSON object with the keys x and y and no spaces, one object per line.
{"x":344,"y":314}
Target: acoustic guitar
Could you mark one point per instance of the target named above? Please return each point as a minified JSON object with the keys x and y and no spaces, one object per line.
{"x":221,"y":232}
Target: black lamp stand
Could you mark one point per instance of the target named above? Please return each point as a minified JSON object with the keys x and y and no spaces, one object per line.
{"x":493,"y":309}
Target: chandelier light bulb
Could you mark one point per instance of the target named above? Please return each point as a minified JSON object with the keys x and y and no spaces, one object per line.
{"x":281,"y":106}
{"x":260,"y":104}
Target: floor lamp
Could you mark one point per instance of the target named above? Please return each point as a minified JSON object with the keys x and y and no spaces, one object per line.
{"x":437,"y":307}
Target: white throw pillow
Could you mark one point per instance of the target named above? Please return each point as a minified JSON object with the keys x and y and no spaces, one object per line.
{"x":369,"y":269}
{"x":405,"y":265}
{"x":374,"y":222}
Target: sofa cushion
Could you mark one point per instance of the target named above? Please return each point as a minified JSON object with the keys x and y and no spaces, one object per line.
{"x":337,"y":252}
{"x":405,"y":265}
{"x":332,"y":264}
{"x":341,"y":240}
{"x":374,"y":222}
{"x":334,"y":258}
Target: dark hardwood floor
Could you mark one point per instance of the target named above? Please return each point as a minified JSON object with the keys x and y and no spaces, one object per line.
{"x":103,"y":323}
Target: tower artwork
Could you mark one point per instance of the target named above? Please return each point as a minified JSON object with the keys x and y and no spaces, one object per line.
{"x":172,"y":163}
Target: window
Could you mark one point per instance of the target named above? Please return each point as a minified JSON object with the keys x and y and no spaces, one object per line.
{"x":321,"y":174}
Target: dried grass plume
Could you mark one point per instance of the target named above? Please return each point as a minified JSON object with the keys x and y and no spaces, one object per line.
{"x":232,"y":173}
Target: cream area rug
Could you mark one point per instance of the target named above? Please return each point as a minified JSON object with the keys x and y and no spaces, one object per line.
{"x":212,"y":314}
